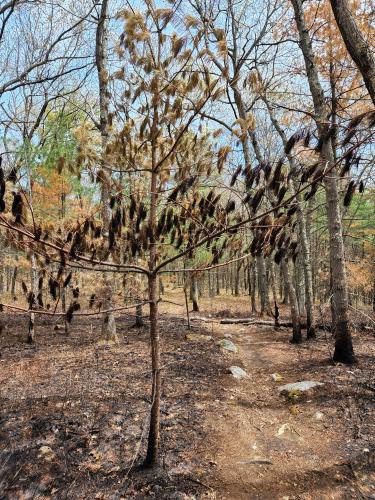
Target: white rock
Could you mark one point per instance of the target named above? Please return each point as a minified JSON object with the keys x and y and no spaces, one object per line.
{"x":227,"y":345}
{"x":305,"y":385}
{"x":238,"y":372}
{"x":318,"y":415}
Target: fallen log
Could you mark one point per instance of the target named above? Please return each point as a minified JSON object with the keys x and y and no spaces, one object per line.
{"x":250,"y":321}
{"x":254,"y":321}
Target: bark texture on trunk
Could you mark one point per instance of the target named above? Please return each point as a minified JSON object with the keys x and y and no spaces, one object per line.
{"x":194,"y":292}
{"x":34,"y":290}
{"x":139,"y":316}
{"x":101,"y":58}
{"x":14,"y":280}
{"x":263,"y":285}
{"x":359,"y":49}
{"x":296,"y":321}
{"x":343,"y":345}
{"x":253,"y":288}
{"x":152,"y":457}
{"x":153,"y":445}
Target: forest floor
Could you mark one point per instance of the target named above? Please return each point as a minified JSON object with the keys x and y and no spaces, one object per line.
{"x":74,"y":412}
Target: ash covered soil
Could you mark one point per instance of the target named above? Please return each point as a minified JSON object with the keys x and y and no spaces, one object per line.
{"x":74,"y":412}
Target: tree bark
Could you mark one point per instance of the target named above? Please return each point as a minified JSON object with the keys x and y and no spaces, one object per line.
{"x":194,"y":292}
{"x":343,"y":344}
{"x":139,"y":316}
{"x":359,"y":49}
{"x":101,"y":58}
{"x":253,"y":288}
{"x":296,"y":321}
{"x":14,"y":280}
{"x":237,"y":279}
{"x":153,"y":445}
{"x":263,"y":285}
{"x":34,"y":290}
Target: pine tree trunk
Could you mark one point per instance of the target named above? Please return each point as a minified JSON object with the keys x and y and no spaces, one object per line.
{"x":153,"y":445}
{"x":101,"y":57}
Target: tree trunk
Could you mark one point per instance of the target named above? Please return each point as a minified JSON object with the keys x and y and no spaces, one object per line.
{"x":299,"y":281}
{"x":139,"y":316}
{"x":359,"y":49}
{"x":13,"y":282}
{"x":153,"y":445}
{"x":2,"y":280}
{"x":34,"y":290}
{"x":307,"y":269}
{"x":237,"y":279}
{"x":152,"y":457}
{"x":253,"y":288}
{"x":263,"y":285}
{"x":272,"y":279}
{"x":194,"y":293}
{"x":296,"y":321}
{"x":101,"y":58}
{"x":343,"y":344}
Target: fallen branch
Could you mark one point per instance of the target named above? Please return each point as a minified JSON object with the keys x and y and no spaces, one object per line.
{"x":53,"y":313}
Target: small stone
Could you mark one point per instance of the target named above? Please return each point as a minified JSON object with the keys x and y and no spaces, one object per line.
{"x":228,"y":335}
{"x":276,"y":377}
{"x":227,"y":345}
{"x":305,"y":385}
{"x":318,"y":415}
{"x":47,"y":453}
{"x":238,"y":372}
{"x":287,"y":432}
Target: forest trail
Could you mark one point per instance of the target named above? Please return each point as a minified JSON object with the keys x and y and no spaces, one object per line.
{"x":310,"y":458}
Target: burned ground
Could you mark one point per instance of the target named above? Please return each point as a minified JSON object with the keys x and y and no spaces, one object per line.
{"x":74,"y":413}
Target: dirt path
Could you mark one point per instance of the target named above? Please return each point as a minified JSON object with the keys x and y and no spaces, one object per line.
{"x":313,"y":458}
